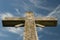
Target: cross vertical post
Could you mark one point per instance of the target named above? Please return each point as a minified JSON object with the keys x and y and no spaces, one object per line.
{"x":30,"y":32}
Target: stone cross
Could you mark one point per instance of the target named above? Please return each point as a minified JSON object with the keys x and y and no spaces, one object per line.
{"x":29,"y":22}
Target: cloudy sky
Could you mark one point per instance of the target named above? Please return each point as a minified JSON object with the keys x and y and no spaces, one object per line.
{"x":14,"y":8}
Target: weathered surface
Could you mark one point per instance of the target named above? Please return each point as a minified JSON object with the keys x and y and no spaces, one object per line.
{"x":30,"y":32}
{"x":30,"y":23}
{"x":43,"y":21}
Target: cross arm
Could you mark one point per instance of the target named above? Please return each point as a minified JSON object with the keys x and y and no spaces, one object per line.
{"x":46,"y":21}
{"x":13,"y":21}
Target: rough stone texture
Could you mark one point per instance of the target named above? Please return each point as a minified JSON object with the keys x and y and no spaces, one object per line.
{"x":30,"y":32}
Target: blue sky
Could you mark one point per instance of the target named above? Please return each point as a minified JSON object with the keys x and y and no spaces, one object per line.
{"x":12,"y":8}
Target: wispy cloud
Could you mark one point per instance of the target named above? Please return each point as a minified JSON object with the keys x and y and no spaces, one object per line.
{"x":17,"y":10}
{"x":18,"y":31}
{"x":55,"y":13}
{"x":39,"y":3}
{"x":15,"y":30}
{"x":40,"y":29}
{"x":11,"y":29}
{"x":3,"y":15}
{"x":35,"y":3}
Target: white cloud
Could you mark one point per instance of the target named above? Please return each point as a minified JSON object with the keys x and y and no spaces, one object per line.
{"x":55,"y":13}
{"x":17,"y":10}
{"x":19,"y":13}
{"x":39,"y":3}
{"x":15,"y":30}
{"x":11,"y":29}
{"x":35,"y":3}
{"x":3,"y":15}
{"x":18,"y":31}
{"x":40,"y":29}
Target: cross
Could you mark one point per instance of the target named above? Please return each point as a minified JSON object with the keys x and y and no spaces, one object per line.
{"x":29,"y":22}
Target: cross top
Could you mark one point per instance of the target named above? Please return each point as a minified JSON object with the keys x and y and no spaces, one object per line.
{"x":29,"y":15}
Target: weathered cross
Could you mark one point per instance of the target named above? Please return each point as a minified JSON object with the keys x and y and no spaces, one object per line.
{"x":30,"y":22}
